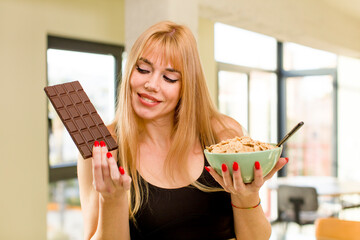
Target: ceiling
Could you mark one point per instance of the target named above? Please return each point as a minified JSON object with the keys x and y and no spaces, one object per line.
{"x":331,"y":25}
{"x":348,"y":7}
{"x":214,"y":9}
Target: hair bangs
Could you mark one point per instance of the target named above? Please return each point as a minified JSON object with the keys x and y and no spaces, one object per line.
{"x":164,"y":48}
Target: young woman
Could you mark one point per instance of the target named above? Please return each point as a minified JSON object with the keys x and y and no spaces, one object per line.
{"x":164,"y":188}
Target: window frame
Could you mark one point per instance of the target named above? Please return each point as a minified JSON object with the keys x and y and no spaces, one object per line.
{"x":66,"y":171}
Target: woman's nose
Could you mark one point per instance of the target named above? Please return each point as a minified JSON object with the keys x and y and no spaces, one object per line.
{"x":153,"y":83}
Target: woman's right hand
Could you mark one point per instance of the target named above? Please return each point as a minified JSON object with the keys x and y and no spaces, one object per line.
{"x":109,"y":181}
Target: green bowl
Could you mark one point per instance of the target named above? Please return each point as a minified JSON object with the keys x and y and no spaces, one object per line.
{"x":246,"y":161}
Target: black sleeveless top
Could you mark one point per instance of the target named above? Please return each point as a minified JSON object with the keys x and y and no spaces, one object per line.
{"x":185,"y":213}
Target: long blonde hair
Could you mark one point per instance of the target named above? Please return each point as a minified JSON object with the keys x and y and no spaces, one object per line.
{"x":194,"y":113}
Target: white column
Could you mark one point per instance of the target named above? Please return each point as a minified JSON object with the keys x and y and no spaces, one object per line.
{"x":141,"y":14}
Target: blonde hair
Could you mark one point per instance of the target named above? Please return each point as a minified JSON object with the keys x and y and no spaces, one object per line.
{"x":194,"y":113}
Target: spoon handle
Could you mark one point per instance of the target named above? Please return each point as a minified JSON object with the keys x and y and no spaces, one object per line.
{"x":299,"y":125}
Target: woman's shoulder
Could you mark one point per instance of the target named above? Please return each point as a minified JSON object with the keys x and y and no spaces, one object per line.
{"x":226,"y":127}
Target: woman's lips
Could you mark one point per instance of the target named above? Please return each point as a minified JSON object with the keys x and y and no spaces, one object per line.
{"x":148,"y":100}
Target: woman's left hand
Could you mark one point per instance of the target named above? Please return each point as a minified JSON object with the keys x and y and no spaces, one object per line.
{"x":235,"y":184}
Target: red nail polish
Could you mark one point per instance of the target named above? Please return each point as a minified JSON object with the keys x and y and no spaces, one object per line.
{"x":207,"y":168}
{"x":235,"y":166}
{"x":224,"y":167}
{"x":96,"y":143}
{"x":108,"y":155}
{"x":257,"y":165}
{"x":102,"y":143}
{"x":122,"y":171}
{"x":287,"y":160}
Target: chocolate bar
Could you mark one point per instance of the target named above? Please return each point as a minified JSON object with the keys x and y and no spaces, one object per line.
{"x":79,"y":116}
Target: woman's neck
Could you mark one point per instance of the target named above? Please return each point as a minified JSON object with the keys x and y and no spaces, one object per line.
{"x":157,"y":133}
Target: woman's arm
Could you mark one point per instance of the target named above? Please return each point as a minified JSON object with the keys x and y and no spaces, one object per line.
{"x":89,"y":198}
{"x":103,"y":196}
{"x":248,"y":223}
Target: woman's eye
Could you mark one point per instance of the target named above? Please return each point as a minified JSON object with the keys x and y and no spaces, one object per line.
{"x":140,"y":70}
{"x":170,"y":80}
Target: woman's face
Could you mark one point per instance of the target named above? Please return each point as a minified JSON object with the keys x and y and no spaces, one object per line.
{"x":155,"y":89}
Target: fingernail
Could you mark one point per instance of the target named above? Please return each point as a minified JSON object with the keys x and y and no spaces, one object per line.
{"x":287,"y":160}
{"x":224,"y":167}
{"x":257,"y":165}
{"x":122,"y":171}
{"x":96,"y":143}
{"x":235,"y":166}
{"x":207,"y":168}
{"x":102,"y":143}
{"x":109,"y":155}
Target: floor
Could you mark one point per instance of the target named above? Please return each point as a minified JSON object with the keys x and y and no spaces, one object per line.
{"x":294,"y":232}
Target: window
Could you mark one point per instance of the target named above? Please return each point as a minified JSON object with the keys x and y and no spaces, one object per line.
{"x":263,"y":106}
{"x":97,"y":67}
{"x":309,"y":76}
{"x":310,"y":99}
{"x":247,"y":79}
{"x":247,"y":82}
{"x":269,"y":87}
{"x":233,"y":95}
{"x":95,"y":72}
{"x":249,"y":96}
{"x":348,"y":118}
{"x":244,"y":48}
{"x":298,"y":57}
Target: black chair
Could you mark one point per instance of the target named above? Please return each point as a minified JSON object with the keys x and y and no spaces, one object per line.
{"x":297,"y":204}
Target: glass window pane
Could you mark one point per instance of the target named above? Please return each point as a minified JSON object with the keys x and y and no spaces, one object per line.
{"x":233,"y":96}
{"x":96,"y":73}
{"x":298,"y":57}
{"x":310,"y":99}
{"x":263,"y":106}
{"x":64,"y":217}
{"x":348,"y":118}
{"x":240,"y":47}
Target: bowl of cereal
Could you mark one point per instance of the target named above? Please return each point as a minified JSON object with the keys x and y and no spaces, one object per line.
{"x":245,"y":151}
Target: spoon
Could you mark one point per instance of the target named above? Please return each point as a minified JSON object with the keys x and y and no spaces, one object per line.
{"x":299,"y":125}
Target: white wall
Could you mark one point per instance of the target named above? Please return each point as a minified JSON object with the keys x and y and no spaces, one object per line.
{"x":207,"y":55}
